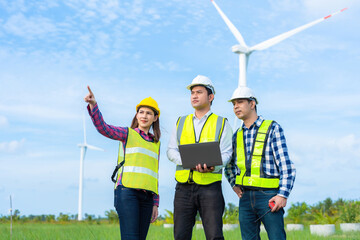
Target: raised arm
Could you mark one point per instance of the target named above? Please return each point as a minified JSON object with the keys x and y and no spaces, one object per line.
{"x":113,"y":132}
{"x":90,"y":99}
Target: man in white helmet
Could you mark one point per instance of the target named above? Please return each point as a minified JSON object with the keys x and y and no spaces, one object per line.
{"x":260,"y":171}
{"x":199,"y":190}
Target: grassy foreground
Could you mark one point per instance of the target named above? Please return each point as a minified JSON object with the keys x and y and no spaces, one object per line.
{"x":82,"y":231}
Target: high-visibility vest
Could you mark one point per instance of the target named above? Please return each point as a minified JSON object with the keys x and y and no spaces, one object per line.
{"x":211,"y":132}
{"x":140,"y":169}
{"x":251,"y":172}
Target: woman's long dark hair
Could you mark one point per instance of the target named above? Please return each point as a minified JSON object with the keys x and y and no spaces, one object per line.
{"x":155,"y":126}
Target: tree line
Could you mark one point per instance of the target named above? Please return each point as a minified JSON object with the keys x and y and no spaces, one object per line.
{"x":110,"y":217}
{"x":323,"y":212}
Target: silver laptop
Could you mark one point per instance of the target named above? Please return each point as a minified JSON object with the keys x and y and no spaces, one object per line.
{"x":200,"y":153}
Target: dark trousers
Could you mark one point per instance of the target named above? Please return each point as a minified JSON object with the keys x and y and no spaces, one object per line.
{"x":134,"y":208}
{"x":208,"y":200}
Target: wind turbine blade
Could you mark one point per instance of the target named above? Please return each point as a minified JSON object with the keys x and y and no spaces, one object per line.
{"x":231,"y":26}
{"x":94,"y":148}
{"x":270,"y":42}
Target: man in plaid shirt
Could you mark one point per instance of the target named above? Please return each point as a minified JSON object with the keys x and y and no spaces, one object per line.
{"x":260,"y":171}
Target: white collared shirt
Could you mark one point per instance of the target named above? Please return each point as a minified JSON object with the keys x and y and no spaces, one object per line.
{"x":225,"y":141}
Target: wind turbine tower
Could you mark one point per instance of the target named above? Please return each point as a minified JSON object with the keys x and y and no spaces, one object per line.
{"x":83,"y":147}
{"x":244,"y":51}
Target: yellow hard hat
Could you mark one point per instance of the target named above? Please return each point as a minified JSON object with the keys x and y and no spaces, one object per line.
{"x":149,"y":102}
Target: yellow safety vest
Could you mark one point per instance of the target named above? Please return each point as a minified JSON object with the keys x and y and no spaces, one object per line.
{"x":211,"y":132}
{"x":252,"y":174}
{"x":140,"y":169}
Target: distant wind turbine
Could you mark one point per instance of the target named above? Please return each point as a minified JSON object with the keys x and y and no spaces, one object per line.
{"x":244,"y":51}
{"x":11,"y":220}
{"x":83,"y":147}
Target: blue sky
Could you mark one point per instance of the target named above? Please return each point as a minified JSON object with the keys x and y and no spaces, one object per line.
{"x":51,"y":50}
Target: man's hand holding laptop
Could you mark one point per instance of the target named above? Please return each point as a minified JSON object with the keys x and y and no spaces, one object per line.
{"x":204,"y":169}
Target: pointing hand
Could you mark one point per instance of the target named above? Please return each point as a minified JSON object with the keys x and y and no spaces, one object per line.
{"x":90,"y":98}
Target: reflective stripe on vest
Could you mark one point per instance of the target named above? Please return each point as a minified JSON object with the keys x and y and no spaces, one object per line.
{"x":251,"y":174}
{"x":186,"y":135}
{"x":140,"y":169}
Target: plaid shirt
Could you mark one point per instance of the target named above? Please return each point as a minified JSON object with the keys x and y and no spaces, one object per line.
{"x":276,"y":163}
{"x":117,"y":133}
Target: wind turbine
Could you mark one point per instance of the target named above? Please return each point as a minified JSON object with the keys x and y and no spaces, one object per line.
{"x":11,"y":220}
{"x":83,"y":147}
{"x":244,"y":51}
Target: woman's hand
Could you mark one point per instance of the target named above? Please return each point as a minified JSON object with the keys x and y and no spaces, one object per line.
{"x":154,"y":214}
{"x":90,"y":99}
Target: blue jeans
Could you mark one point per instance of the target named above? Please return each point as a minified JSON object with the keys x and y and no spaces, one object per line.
{"x":134,"y":208}
{"x":253,"y":205}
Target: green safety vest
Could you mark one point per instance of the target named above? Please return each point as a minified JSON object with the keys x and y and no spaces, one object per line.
{"x":252,"y":174}
{"x":140,"y":169}
{"x":211,"y":132}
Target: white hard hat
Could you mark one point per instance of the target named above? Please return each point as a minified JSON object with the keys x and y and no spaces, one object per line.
{"x":204,"y":81}
{"x":243,"y":92}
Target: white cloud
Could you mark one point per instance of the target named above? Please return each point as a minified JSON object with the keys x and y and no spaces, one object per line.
{"x":15,"y":5}
{"x":284,"y":5}
{"x":313,"y":103}
{"x":318,"y":8}
{"x":170,"y":66}
{"x":12,"y":146}
{"x":289,"y":54}
{"x":101,"y":43}
{"x":29,"y":28}
{"x":326,"y":7}
{"x":39,"y":111}
{"x":3,"y":121}
{"x":105,"y":11}
{"x":46,"y":4}
{"x":324,"y":163}
{"x":323,"y":152}
{"x":348,"y":144}
{"x":24,"y":6}
{"x":294,"y":51}
{"x":154,"y":13}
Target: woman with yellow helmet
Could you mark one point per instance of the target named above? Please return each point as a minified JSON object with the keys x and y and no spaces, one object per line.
{"x":136,"y":196}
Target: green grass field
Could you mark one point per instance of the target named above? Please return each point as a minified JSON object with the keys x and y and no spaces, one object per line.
{"x":86,"y":231}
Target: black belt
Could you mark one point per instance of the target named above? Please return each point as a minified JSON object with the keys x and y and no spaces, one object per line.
{"x":190,"y":179}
